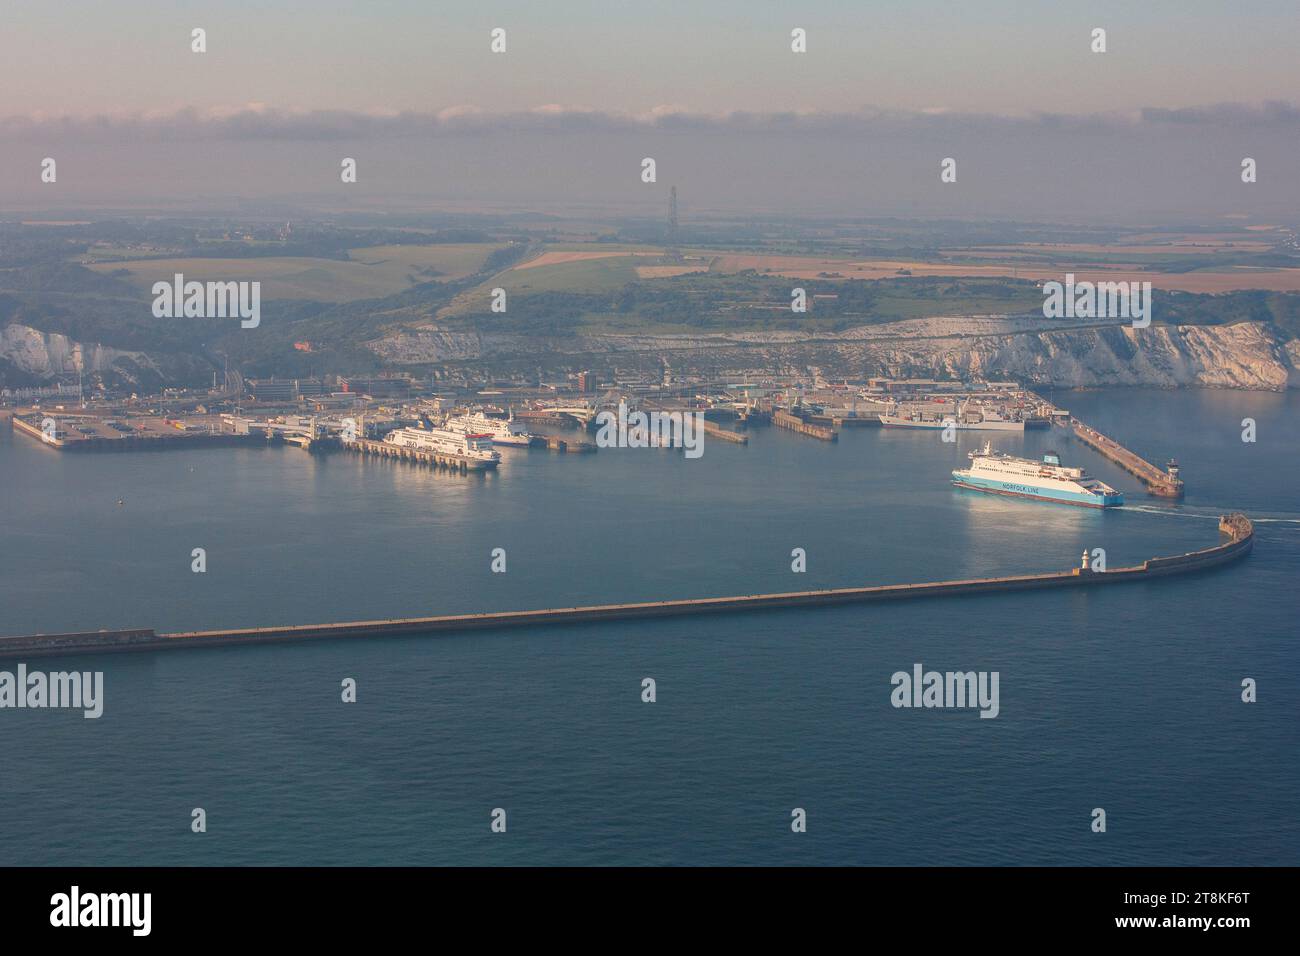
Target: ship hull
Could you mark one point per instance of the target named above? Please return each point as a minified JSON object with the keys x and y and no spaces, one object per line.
{"x":447,"y":445}
{"x":496,"y":428}
{"x":469,"y":462}
{"x":1058,"y":496}
{"x":890,"y":421}
{"x":512,"y":441}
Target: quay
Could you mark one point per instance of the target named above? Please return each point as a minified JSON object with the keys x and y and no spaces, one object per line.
{"x":132,"y":441}
{"x":558,"y":415}
{"x":569,"y":446}
{"x":436,"y":459}
{"x":1164,"y":484}
{"x":544,"y":418}
{"x":710,"y":428}
{"x":1237,"y":527}
{"x":796,"y":424}
{"x":846,"y":421}
{"x":726,"y":434}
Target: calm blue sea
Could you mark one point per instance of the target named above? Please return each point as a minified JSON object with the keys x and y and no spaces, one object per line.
{"x":1126,"y":699}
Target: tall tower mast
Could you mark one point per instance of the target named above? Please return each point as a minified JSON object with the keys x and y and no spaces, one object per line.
{"x":673,"y":252}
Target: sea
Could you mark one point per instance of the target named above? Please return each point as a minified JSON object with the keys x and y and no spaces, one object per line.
{"x":1124,"y":699}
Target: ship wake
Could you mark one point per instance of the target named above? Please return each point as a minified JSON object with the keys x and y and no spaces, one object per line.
{"x":1211,"y":514}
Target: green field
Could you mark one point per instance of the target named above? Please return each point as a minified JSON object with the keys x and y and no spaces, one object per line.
{"x":584,"y":276}
{"x":372,"y":272}
{"x":452,"y":260}
{"x":607,"y":294}
{"x":603,"y":247}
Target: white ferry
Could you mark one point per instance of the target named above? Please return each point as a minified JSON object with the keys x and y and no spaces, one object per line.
{"x":475,"y":450}
{"x":1046,"y":480}
{"x":503,"y":431}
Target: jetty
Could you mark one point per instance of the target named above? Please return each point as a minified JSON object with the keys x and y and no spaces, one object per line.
{"x":710,"y":428}
{"x":1164,"y":484}
{"x":567,"y":445}
{"x":726,"y":434}
{"x":796,"y":424}
{"x":1237,"y":527}
{"x":421,"y":456}
{"x":1160,"y":482}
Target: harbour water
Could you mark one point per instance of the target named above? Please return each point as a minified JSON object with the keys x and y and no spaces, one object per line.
{"x":1126,"y":699}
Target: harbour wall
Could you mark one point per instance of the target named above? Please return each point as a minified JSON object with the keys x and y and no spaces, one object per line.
{"x":1237,"y":527}
{"x":1158,"y":482}
{"x":139,"y":442}
{"x":797,"y":424}
{"x":725,"y":434}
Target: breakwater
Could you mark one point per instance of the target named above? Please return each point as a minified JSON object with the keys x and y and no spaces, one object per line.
{"x":1237,"y":528}
{"x":1164,"y":484}
{"x":796,"y":424}
{"x":1159,"y":482}
{"x":725,"y":434}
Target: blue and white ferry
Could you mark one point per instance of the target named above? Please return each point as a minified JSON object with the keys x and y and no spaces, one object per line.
{"x":1046,"y":480}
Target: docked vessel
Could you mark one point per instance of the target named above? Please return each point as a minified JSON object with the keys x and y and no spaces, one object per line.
{"x":989,"y":420}
{"x":475,"y":450}
{"x":1046,"y":480}
{"x":503,"y":431}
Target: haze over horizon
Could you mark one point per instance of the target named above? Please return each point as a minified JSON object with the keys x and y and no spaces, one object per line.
{"x":1153,"y":130}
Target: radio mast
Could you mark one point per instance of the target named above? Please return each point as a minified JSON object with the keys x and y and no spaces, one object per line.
{"x":673,"y":252}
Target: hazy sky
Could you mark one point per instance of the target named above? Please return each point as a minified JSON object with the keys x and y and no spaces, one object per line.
{"x":1155,"y":127}
{"x":90,"y":56}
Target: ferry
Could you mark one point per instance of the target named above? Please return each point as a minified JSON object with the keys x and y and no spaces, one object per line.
{"x":1046,"y":480}
{"x":475,"y":450}
{"x":503,"y":431}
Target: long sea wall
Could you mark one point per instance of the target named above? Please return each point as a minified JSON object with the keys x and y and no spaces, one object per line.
{"x":1237,"y":527}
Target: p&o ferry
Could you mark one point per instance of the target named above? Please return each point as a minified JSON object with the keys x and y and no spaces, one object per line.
{"x":474,"y":450}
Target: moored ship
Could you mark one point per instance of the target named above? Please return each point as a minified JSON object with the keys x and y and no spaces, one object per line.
{"x":989,"y":419}
{"x":503,"y":431}
{"x":1047,"y":480}
{"x":475,"y":450}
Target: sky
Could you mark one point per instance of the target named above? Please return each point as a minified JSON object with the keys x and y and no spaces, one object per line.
{"x":1186,"y":89}
{"x":1002,"y":56}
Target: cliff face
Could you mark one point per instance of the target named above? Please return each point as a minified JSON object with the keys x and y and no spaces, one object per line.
{"x":29,"y":356}
{"x":1250,"y":355}
{"x":1247,"y":355}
